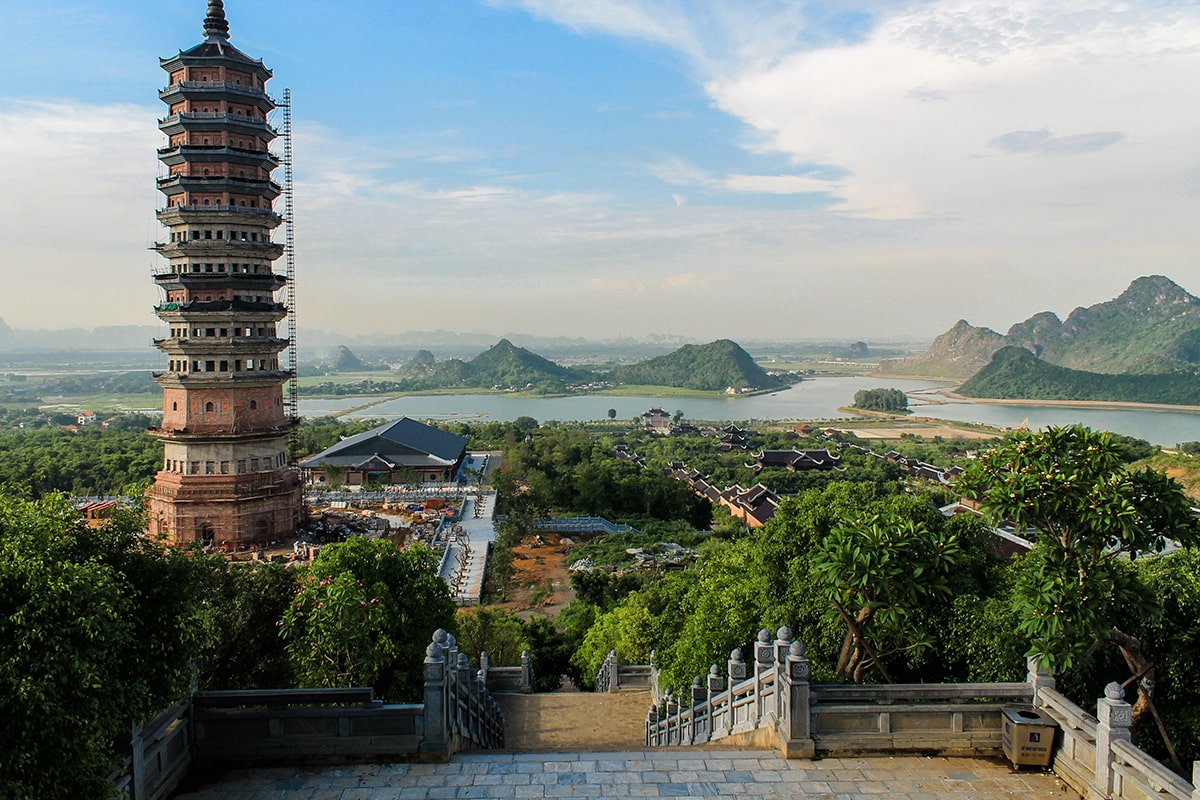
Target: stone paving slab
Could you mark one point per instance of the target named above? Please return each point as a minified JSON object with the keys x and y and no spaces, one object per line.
{"x":652,"y":774}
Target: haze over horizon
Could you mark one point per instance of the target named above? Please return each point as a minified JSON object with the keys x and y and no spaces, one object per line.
{"x":752,"y":170}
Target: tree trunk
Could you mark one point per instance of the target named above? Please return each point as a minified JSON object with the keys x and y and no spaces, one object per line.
{"x":1143,"y":671}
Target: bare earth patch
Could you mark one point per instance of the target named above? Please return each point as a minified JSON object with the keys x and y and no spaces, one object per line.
{"x":542,"y":583}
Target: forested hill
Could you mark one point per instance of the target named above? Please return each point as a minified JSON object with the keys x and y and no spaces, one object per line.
{"x":1016,"y":373}
{"x":1152,"y":328}
{"x":711,"y":367}
{"x":504,"y":365}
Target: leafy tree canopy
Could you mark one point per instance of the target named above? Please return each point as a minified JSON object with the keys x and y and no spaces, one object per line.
{"x":1071,"y":487}
{"x":363,"y":615}
{"x":97,"y":628}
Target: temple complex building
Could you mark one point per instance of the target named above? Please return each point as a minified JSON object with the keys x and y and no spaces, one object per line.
{"x":226,"y":477}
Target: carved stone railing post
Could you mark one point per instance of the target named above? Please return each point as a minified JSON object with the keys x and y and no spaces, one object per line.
{"x":526,"y":672}
{"x":779,"y":654}
{"x":437,"y":738}
{"x":796,"y":726}
{"x":655,"y":689}
{"x":465,"y":693}
{"x":701,"y":719}
{"x":737,"y":673}
{"x":483,"y":665}
{"x":1039,"y":677}
{"x":764,"y":660}
{"x":671,"y":709}
{"x":137,"y":763}
{"x":652,"y":739}
{"x":1115,"y":717}
{"x":609,"y":677}
{"x":716,"y":685}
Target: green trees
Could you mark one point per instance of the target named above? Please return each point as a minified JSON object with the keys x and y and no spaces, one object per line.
{"x":878,"y":572}
{"x":242,"y":608}
{"x":1071,"y":487}
{"x":564,"y":471}
{"x":90,"y":462}
{"x":881,"y":400}
{"x":362,"y":616}
{"x":96,"y":630}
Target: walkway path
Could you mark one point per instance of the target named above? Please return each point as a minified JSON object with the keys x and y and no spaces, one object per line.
{"x":574,"y":721}
{"x":661,"y":773}
{"x":466,"y":582}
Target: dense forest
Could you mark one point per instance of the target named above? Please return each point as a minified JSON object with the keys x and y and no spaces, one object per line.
{"x":890,"y":400}
{"x":1016,"y":373}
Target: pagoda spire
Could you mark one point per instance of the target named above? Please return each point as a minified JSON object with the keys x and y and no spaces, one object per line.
{"x":215,"y":24}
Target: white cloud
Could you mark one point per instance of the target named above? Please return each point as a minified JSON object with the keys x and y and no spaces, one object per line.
{"x":679,"y":172}
{"x":909,"y":113}
{"x":76,"y":213}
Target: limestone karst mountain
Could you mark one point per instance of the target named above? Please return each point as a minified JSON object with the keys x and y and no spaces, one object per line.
{"x":1153,"y":327}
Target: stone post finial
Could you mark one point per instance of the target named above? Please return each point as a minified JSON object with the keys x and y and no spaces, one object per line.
{"x":1114,"y":717}
{"x":736,"y":666}
{"x":715,"y":682}
{"x":764,"y":651}
{"x":783,"y":644}
{"x":527,"y":680}
{"x":437,"y":723}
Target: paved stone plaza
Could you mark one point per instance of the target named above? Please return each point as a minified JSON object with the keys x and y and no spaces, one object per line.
{"x":664,"y":773}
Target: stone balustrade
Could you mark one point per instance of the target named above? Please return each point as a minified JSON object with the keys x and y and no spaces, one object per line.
{"x":459,"y":711}
{"x":507,"y":679}
{"x":277,"y":726}
{"x":614,"y":676}
{"x":156,"y":756}
{"x":770,"y":702}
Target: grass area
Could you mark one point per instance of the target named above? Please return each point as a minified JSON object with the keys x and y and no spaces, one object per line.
{"x":1183,"y":468}
{"x":104,"y":402}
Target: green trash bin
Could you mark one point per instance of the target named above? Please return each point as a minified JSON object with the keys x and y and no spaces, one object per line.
{"x":1027,"y":735}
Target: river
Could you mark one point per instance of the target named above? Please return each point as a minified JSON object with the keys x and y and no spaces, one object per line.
{"x":813,"y":399}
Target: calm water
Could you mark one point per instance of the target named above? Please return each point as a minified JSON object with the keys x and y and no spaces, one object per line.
{"x":815,"y":399}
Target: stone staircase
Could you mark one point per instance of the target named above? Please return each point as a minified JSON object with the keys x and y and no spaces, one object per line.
{"x":575,"y":722}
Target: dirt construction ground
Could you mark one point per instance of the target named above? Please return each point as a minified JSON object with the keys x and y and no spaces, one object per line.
{"x":542,"y":583}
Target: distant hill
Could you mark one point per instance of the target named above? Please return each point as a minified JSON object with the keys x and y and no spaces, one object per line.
{"x":1016,"y":373}
{"x":1152,"y":328}
{"x":957,"y":354}
{"x":711,"y":367}
{"x":346,"y":361}
{"x":504,"y":365}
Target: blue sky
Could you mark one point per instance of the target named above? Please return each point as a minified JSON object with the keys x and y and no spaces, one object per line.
{"x":749,"y":169}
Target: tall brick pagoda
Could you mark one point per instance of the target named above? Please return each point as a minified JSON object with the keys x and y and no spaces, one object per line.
{"x":226,"y":477}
